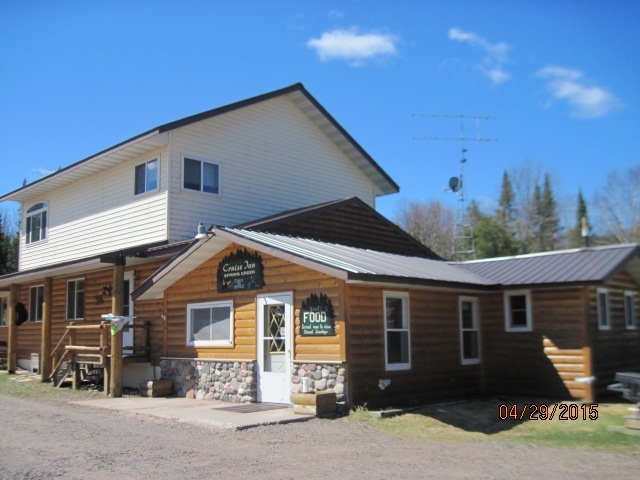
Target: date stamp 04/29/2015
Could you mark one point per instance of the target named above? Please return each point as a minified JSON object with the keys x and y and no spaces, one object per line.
{"x":559,"y":411}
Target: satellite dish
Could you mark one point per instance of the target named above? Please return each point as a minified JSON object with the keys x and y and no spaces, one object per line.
{"x":455,"y":184}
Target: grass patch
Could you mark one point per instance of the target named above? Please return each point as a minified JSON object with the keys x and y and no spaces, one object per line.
{"x":28,"y":385}
{"x":479,"y":420}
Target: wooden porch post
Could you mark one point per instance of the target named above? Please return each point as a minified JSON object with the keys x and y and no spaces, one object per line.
{"x":45,"y":340}
{"x":115,"y":374}
{"x":12,"y":344}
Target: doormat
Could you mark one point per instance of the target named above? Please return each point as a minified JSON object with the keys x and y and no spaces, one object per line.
{"x":253,"y":407}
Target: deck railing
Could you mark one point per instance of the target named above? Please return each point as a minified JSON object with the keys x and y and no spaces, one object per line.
{"x":67,"y":350}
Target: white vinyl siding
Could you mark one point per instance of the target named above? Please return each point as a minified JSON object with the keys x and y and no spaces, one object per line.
{"x":100,"y":214}
{"x":272,"y":158}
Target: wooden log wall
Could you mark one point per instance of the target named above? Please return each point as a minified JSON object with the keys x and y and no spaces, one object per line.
{"x":280,"y":276}
{"x":436,"y":368}
{"x":545,"y":361}
{"x":616,"y":349}
{"x":30,"y":333}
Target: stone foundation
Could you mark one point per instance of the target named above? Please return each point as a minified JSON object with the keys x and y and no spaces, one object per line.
{"x":237,"y":382}
{"x":225,"y":381}
{"x":321,"y":378}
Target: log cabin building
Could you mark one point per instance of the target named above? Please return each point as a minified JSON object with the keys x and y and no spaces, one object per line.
{"x":286,"y":287}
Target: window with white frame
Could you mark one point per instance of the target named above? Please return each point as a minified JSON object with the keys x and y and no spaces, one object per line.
{"x":36,"y":223}
{"x":201,"y":176}
{"x":469,"y":330}
{"x":397,"y":341}
{"x":517,"y":311}
{"x":146,"y":177}
{"x":75,"y":299}
{"x":630,"y":317}
{"x":4,"y":311}
{"x":210,"y":324}
{"x":604,"y":315}
{"x":36,"y":302}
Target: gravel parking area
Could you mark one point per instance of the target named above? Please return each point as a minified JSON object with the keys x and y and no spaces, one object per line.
{"x":51,"y":438}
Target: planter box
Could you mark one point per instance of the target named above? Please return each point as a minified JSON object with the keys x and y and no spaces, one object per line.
{"x":322,"y":403}
{"x":156,"y":388}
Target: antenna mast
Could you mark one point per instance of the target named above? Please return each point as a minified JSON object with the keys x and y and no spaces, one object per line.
{"x":463,"y":240}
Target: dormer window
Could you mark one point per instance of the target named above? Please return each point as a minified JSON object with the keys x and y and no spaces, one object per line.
{"x":146,"y":177}
{"x":36,"y":223}
{"x":201,"y":176}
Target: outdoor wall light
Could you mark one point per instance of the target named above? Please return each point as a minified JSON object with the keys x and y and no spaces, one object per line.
{"x":106,"y":290}
{"x":202,"y":231}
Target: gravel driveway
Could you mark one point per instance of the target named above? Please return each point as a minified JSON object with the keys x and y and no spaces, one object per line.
{"x":54,"y":439}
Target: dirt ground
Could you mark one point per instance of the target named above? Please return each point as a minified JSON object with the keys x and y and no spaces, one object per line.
{"x":50,"y":438}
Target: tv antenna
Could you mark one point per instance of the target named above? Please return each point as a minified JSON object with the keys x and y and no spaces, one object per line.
{"x":463,"y":240}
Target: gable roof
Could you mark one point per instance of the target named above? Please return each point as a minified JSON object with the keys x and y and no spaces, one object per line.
{"x":578,"y":266}
{"x":157,"y":137}
{"x":341,"y":261}
{"x":349,"y":222}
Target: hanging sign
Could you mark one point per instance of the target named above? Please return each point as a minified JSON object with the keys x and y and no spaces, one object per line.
{"x":240,"y":271}
{"x":316,"y":316}
{"x":117,"y":322}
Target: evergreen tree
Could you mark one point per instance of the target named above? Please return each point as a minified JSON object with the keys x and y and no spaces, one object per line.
{"x":491,"y":235}
{"x":582,"y":215}
{"x":550,"y":222}
{"x":506,"y":203}
{"x":545,"y":220}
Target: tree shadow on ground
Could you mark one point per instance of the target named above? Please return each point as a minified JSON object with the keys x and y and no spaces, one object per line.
{"x":487,"y":415}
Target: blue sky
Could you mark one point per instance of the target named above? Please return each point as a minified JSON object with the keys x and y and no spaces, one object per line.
{"x":558,"y":80}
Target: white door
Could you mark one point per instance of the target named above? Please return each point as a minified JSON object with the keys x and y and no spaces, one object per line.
{"x":275,"y":323}
{"x":127,"y":311}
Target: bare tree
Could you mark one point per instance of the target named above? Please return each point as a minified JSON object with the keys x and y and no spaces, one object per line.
{"x":430,"y":223}
{"x":618,"y":206}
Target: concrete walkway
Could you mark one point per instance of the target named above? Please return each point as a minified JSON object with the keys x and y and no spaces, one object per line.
{"x":216,"y":414}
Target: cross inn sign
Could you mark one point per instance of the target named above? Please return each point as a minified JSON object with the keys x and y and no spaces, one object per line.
{"x":316,"y":316}
{"x":240,"y":271}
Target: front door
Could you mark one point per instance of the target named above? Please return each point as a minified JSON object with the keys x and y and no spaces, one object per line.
{"x":275,"y":324}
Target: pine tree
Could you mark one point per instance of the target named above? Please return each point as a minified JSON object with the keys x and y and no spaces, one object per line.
{"x":550,"y":223}
{"x":506,"y":210}
{"x":575,"y":236}
{"x":491,"y":234}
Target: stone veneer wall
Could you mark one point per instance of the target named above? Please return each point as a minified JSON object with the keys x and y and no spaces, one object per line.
{"x":228,"y":381}
{"x":236,"y":382}
{"x":322,"y":378}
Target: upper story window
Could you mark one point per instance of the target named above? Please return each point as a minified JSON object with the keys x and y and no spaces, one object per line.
{"x":146,"y":177}
{"x":75,"y":299}
{"x":396,"y":326}
{"x":201,"y":176}
{"x":469,"y":330}
{"x":604,"y":316}
{"x":517,"y":311}
{"x":630,"y":317}
{"x":210,"y":324}
{"x":36,"y":223}
{"x":36,"y":303}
